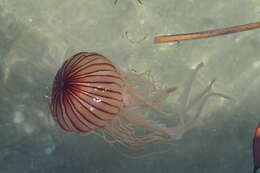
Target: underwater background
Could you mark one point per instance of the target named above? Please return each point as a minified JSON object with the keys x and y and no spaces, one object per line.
{"x":35,"y":36}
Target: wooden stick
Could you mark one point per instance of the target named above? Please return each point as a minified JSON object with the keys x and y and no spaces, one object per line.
{"x":206,"y":34}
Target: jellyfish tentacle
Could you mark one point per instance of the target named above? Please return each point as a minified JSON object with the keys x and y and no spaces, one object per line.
{"x":132,"y":146}
{"x":127,"y":137}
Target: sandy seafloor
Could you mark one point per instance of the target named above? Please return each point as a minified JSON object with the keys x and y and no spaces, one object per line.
{"x":35,"y":35}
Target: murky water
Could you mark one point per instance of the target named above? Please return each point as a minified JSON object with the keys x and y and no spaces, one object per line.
{"x":35,"y":36}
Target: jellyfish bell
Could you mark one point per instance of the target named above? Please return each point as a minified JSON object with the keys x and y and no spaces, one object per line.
{"x":87,"y":93}
{"x":90,"y":95}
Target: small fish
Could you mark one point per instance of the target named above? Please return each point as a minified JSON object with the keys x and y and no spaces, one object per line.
{"x":256,"y":148}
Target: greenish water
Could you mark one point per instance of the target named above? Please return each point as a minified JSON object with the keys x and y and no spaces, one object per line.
{"x":35,"y":35}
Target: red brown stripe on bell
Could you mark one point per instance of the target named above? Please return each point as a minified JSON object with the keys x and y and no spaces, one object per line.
{"x":85,"y":66}
{"x":87,"y":93}
{"x":75,"y":60}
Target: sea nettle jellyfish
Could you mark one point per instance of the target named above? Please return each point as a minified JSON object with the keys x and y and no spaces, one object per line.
{"x":90,"y":95}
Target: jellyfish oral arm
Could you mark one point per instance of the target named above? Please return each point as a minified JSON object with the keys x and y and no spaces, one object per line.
{"x":186,"y":104}
{"x":183,"y":99}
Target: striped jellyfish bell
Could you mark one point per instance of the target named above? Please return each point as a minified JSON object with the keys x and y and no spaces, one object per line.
{"x":86,"y":93}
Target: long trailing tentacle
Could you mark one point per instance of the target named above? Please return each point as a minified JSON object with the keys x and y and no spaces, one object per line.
{"x":125,"y":138}
{"x":186,"y":104}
